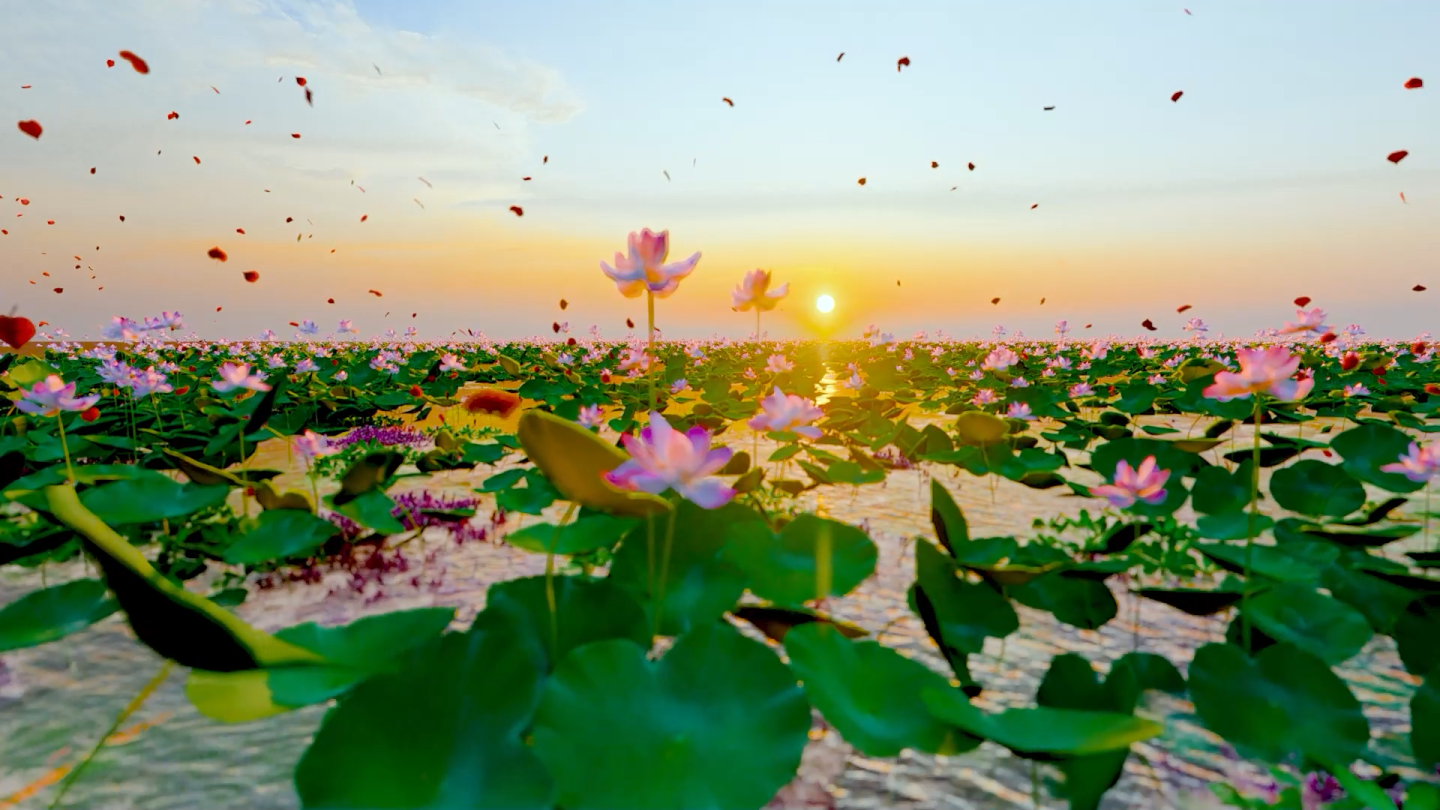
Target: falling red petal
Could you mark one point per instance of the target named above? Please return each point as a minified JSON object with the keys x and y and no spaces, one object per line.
{"x":247,"y":122}
{"x":1033,"y":207}
{"x":309,"y":97}
{"x":903,"y":61}
{"x":295,"y":135}
{"x":136,"y":62}
{"x":1402,"y":198}
{"x":196,"y":159}
{"x":31,"y":128}
{"x":1176,"y":95}
{"x":109,"y":63}
{"x":994,"y":300}
{"x":376,"y":293}
{"x":122,"y":217}
{"x":92,"y":169}
{"x":16,"y":331}
{"x":545,"y":160}
{"x":728,"y":101}
{"x":1302,"y":300}
{"x":240,"y":231}
{"x":934,"y":164}
{"x":1182,"y":307}
{"x":172,"y":116}
{"x":364,"y":217}
{"x":252,"y":276}
{"x":524,"y":178}
{"x":1414,"y":83}
{"x":1418,"y":288}
{"x":1148,"y":325}
{"x":217,"y":254}
{"x":1328,"y":337}
{"x":629,"y":324}
{"x":300,"y":80}
{"x":329,"y":300}
{"x":217,"y":309}
{"x":861,"y":181}
{"x":216,"y":89}
{"x":49,"y":222}
{"x":519,"y":212}
{"x":59,"y":290}
{"x":564,"y":303}
{"x":555,"y":327}
{"x":1397,"y":156}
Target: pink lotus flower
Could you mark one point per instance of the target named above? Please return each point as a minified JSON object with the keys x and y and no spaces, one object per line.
{"x":754,"y":292}
{"x":1000,"y":359}
{"x":663,"y":458}
{"x":1356,"y":390}
{"x":645,"y":268}
{"x":1267,"y":370}
{"x":1020,"y":410}
{"x":449,"y":362}
{"x":1311,"y":321}
{"x":777,"y":364}
{"x":53,"y":396}
{"x":1081,"y":390}
{"x":983,"y":397}
{"x":589,"y":416}
{"x":1419,"y":464}
{"x":237,"y":375}
{"x":313,"y":445}
{"x":787,"y":412}
{"x":1146,"y":484}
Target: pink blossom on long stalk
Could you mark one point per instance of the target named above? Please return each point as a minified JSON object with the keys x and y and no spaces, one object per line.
{"x":754,"y":292}
{"x":237,"y":375}
{"x":662,"y":458}
{"x":53,"y":396}
{"x":645,"y":268}
{"x":1145,"y":484}
{"x":1270,"y":371}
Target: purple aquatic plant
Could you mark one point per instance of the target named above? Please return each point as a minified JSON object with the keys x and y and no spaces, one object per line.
{"x":389,"y":435}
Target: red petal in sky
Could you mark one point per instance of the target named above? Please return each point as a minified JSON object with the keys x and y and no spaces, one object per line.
{"x":1033,"y":207}
{"x":903,"y":61}
{"x":59,"y":290}
{"x":109,"y":63}
{"x":172,"y":116}
{"x":31,"y":128}
{"x":240,"y":231}
{"x":92,"y":169}
{"x":300,"y":80}
{"x":1418,"y":288}
{"x":1397,"y":156}
{"x":994,"y":300}
{"x":1175,"y":96}
{"x":1148,"y":325}
{"x":1302,"y":300}
{"x":564,"y":303}
{"x":252,"y":276}
{"x":1414,"y":83}
{"x":196,"y":159}
{"x":364,"y":217}
{"x":1182,"y":308}
{"x":295,"y":135}
{"x":519,"y":212}
{"x":217,"y":254}
{"x":376,"y":293}
{"x":135,"y":62}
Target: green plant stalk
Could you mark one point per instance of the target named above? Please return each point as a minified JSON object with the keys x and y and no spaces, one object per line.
{"x":757,"y":325}
{"x":664,"y":570}
{"x":650,"y":345}
{"x":65,"y":448}
{"x":1250,"y":524}
{"x":824,"y":570}
{"x":130,"y":708}
{"x":550,"y":580}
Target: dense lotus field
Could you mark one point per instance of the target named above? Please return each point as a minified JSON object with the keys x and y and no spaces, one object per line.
{"x":680,"y":649}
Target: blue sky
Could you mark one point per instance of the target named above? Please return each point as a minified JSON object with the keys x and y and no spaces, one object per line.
{"x":1265,"y":181}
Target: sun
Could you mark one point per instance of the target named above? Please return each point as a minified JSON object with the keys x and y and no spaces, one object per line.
{"x":824,"y":303}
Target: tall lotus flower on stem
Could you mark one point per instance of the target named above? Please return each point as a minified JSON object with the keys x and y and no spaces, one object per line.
{"x":754,"y":292}
{"x":1262,"y":371}
{"x":644,"y":270}
{"x":53,"y":396}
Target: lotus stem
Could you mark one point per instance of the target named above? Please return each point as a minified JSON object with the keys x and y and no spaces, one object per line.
{"x":130,"y":708}
{"x":664,"y":569}
{"x":650,"y":346}
{"x":550,"y":581}
{"x":65,"y":448}
{"x":1250,"y":528}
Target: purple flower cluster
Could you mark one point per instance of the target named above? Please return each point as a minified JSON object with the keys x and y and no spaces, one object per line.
{"x":386,"y":435}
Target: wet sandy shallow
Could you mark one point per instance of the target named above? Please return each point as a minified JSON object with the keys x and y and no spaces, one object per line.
{"x":62,"y":696}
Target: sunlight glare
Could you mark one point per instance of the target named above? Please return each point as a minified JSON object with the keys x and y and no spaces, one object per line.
{"x":824,"y":303}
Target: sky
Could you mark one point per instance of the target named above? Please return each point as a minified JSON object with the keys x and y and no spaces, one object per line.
{"x":1265,"y":181}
